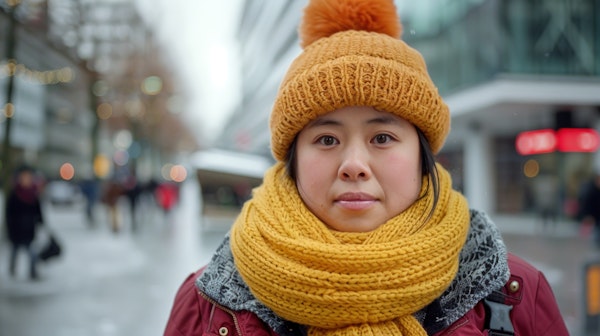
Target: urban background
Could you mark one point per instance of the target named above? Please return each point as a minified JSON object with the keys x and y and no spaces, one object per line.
{"x":90,"y":94}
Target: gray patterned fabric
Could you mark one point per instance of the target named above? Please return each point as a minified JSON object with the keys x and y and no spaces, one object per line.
{"x":483,"y":269}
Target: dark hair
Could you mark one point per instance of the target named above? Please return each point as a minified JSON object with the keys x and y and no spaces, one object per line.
{"x":428,"y":166}
{"x":24,"y":168}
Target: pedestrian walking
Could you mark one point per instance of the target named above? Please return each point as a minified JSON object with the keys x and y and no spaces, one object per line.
{"x":23,"y":216}
{"x":89,"y":189}
{"x":110,"y":197}
{"x":132,"y":191}
{"x":356,"y":229}
{"x":589,"y":211}
{"x":167,"y":196}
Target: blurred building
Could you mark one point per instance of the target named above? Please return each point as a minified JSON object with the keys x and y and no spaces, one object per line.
{"x":51,"y":115}
{"x":90,"y":87}
{"x":503,"y":67}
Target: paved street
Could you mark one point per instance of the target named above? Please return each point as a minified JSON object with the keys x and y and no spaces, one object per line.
{"x":108,"y":284}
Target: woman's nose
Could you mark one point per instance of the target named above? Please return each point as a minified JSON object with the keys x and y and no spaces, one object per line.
{"x":354,"y":165}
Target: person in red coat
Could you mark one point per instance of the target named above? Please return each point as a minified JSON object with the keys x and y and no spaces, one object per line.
{"x":23,"y":215}
{"x":356,"y":229}
{"x":166,"y":195}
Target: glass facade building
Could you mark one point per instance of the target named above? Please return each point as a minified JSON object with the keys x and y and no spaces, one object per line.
{"x":506,"y":67}
{"x":467,"y":42}
{"x":502,"y":66}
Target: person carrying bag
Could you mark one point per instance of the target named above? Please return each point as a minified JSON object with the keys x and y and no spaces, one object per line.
{"x":23,"y":216}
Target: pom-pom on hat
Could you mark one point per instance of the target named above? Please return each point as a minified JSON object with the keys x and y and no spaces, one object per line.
{"x":353,"y":57}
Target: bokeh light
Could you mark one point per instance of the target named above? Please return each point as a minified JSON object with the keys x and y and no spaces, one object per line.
{"x":121,"y":157}
{"x":62,"y":75}
{"x":531,"y":168}
{"x":152,"y":85}
{"x":135,"y":150}
{"x":9,"y":110}
{"x":123,"y":139}
{"x":100,"y":88}
{"x":67,"y":171}
{"x":165,"y":171}
{"x":178,"y":173}
{"x":104,"y":111}
{"x":101,"y":166}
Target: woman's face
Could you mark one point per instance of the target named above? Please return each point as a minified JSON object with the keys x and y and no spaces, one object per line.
{"x":26,"y":179}
{"x":358,"y":167}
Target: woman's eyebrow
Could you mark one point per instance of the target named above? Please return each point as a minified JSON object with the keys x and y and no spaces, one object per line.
{"x":323,"y":122}
{"x":384,"y":120}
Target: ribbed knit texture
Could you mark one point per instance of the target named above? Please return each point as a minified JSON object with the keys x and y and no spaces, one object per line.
{"x":356,"y":67}
{"x":341,"y":283}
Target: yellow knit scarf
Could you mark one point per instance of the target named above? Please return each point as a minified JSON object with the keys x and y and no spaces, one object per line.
{"x":348,"y":283}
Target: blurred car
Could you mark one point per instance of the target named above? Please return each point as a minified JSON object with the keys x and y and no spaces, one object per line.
{"x":62,"y":193}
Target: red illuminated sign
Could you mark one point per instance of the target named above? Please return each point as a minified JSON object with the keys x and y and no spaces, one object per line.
{"x":536,"y":142}
{"x":564,"y":140}
{"x":577,"y":140}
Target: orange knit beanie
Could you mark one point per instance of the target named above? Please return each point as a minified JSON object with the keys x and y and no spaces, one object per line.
{"x":353,"y":57}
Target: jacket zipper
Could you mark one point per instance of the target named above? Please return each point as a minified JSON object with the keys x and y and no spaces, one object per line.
{"x":227,"y":310}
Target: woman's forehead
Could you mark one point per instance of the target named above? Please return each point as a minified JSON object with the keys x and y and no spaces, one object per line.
{"x":362,"y":114}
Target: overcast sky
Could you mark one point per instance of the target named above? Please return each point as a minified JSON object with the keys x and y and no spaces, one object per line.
{"x":200,"y":35}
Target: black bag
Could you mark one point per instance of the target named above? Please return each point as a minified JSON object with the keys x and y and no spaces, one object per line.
{"x":51,"y":250}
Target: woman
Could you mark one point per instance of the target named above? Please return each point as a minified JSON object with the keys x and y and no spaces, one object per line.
{"x":356,"y":229}
{"x":23,"y":215}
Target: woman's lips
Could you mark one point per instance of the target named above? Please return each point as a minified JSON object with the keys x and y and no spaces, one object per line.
{"x":355,"y":201}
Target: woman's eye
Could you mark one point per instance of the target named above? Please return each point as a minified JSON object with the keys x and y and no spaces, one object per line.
{"x":382,"y":138}
{"x":327,"y":140}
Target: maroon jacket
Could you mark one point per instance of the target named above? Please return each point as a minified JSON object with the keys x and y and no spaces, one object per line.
{"x":534,"y":311}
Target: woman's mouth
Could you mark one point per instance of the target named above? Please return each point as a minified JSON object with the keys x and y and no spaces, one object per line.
{"x":355,"y":201}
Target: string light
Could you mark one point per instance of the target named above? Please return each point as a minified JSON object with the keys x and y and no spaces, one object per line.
{"x":104,"y":111}
{"x":62,"y":75}
{"x":9,"y":110}
{"x":13,"y":3}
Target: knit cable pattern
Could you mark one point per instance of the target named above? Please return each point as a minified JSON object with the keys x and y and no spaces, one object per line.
{"x":336,"y":282}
